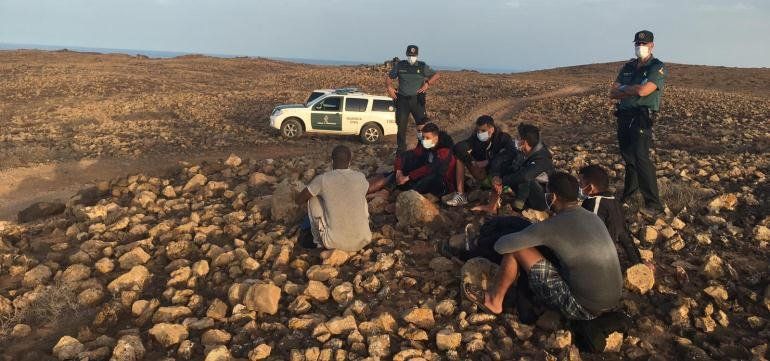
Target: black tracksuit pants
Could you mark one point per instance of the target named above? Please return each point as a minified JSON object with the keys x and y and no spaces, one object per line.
{"x":635,"y":141}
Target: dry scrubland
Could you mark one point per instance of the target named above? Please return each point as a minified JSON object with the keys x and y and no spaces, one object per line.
{"x":199,"y":261}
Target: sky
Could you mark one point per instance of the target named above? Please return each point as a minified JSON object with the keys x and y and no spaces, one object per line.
{"x":474,"y":34}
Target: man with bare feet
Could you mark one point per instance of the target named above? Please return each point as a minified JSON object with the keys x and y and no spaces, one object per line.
{"x":524,"y":174}
{"x":587,"y":280}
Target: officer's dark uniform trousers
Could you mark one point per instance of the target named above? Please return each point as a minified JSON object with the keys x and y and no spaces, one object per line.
{"x":635,"y":140}
{"x":405,"y":105}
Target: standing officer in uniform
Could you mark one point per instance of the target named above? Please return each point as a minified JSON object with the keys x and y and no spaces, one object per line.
{"x":414,"y":79}
{"x":638,"y":88}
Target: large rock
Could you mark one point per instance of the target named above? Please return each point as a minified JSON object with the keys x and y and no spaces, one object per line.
{"x":135,"y":257}
{"x":639,"y":278}
{"x":67,"y":348}
{"x":76,"y":272}
{"x":422,"y":317}
{"x":195,"y":183}
{"x":282,"y":206}
{"x":133,"y":280}
{"x":129,"y":348}
{"x":263,"y":297}
{"x":40,"y":210}
{"x":260,"y":179}
{"x":414,"y":209}
{"x":448,"y":340}
{"x":219,"y":353}
{"x":168,"y":334}
{"x":713,"y":267}
{"x":36,"y":276}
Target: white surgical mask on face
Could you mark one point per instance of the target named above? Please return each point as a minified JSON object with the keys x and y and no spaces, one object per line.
{"x":642,"y":51}
{"x":411,"y":59}
{"x":427,"y":144}
{"x":582,"y":194}
{"x":483,"y":136}
{"x":517,"y":144}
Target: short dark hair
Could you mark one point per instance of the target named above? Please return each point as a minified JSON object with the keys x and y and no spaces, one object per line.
{"x":595,"y":175}
{"x":430,"y":128}
{"x":485,"y":120}
{"x":530,"y":133}
{"x":341,"y":155}
{"x":564,"y":185}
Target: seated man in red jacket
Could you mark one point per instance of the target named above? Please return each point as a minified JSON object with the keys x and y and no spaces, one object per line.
{"x":429,"y":167}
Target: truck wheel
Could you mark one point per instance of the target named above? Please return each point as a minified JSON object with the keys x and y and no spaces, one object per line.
{"x":291,"y":128}
{"x":371,"y":133}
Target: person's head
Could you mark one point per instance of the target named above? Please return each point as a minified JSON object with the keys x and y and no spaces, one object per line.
{"x":593,"y":180}
{"x":341,"y":157}
{"x":529,"y":137}
{"x":420,"y":124}
{"x":643,"y":44}
{"x":411,"y":53}
{"x":485,"y":128}
{"x":430,"y":135}
{"x":562,"y":191}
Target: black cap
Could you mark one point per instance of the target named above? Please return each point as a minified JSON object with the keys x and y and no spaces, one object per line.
{"x":411,"y":50}
{"x":644,"y":36}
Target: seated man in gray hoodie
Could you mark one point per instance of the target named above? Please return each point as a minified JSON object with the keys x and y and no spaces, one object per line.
{"x":338,"y":215}
{"x":585,"y":282}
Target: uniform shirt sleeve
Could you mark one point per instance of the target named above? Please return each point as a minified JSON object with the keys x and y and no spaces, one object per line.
{"x":315,"y":187}
{"x":394,"y":71}
{"x":619,"y":78}
{"x":529,"y":237}
{"x":657,"y":74}
{"x":428,"y":71}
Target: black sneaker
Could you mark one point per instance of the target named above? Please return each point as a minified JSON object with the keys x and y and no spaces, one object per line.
{"x":305,"y":239}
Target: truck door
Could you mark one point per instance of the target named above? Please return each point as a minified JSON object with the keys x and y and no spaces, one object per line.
{"x":327,"y":115}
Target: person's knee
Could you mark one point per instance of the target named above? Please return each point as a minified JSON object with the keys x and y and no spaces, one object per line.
{"x":527,"y":257}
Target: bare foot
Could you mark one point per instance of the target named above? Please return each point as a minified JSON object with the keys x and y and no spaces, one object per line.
{"x":486,"y":209}
{"x":491,"y":305}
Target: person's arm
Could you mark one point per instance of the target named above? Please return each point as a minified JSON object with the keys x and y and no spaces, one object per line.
{"x":431,"y":76}
{"x":527,"y":238}
{"x":393,"y":74}
{"x":616,"y":225}
{"x":527,"y":172}
{"x":302,"y":197}
{"x":641,"y":90}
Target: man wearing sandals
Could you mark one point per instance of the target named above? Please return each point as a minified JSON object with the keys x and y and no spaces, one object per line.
{"x":587,"y":280}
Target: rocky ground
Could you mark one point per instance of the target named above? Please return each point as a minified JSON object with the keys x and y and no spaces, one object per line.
{"x":200,"y":262}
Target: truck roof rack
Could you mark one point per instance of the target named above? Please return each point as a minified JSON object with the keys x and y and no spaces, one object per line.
{"x":347,"y":90}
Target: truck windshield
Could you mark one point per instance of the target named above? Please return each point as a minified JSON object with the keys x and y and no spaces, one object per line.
{"x":313,"y":96}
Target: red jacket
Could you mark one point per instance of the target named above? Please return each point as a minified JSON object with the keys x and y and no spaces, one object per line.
{"x":418,"y":163}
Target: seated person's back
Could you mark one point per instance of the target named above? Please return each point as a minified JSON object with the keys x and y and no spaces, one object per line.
{"x":337,"y":207}
{"x":587,"y":255}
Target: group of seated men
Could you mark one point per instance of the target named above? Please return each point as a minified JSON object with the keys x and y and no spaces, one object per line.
{"x":570,"y":260}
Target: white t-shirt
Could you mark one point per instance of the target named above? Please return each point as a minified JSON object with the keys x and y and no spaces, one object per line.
{"x":342,"y":194}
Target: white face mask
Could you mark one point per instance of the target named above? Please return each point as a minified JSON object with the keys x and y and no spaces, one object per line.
{"x":642,"y":51}
{"x":517,"y":144}
{"x":483,"y":136}
{"x":582,"y":194}
{"x":428,"y":144}
{"x":419,"y":136}
{"x":411,"y":59}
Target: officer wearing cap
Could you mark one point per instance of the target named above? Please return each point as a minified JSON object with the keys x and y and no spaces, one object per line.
{"x":414,"y":79}
{"x":638,"y":89}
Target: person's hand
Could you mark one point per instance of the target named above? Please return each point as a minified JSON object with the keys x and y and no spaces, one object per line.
{"x":497,"y":184}
{"x":392,"y":93}
{"x":401,"y":178}
{"x":423,"y":88}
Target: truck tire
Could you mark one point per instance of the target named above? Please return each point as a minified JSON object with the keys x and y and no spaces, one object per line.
{"x":371,"y":133}
{"x":291,"y":128}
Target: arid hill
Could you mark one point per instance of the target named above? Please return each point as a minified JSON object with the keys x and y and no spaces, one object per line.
{"x":177,"y":239}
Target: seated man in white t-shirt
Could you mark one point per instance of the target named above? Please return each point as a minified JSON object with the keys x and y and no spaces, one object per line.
{"x":337,"y":209}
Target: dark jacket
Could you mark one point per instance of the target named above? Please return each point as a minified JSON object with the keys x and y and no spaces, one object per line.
{"x":611,"y":213}
{"x":516,"y":168}
{"x":419,"y":162}
{"x":473,"y":149}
